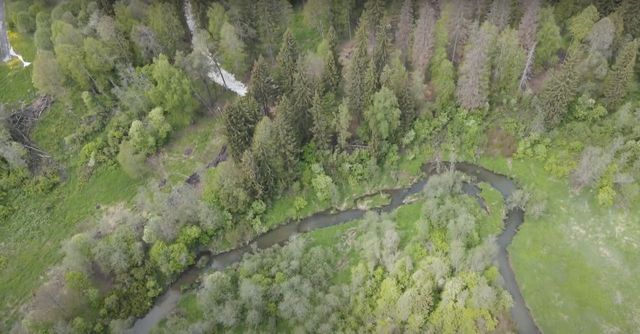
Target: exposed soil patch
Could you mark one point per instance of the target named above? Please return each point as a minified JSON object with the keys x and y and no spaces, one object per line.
{"x":500,"y":142}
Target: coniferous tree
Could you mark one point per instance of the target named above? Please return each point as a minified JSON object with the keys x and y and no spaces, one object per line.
{"x":287,"y":148}
{"x":559,"y":91}
{"x":405,"y":26}
{"x":549,"y":39}
{"x":580,"y":25}
{"x":262,"y":87}
{"x":357,"y":74}
{"x":286,"y":63}
{"x":395,"y":77}
{"x":617,"y":81}
{"x":259,"y":163}
{"x":500,"y":13}
{"x":330,"y":80}
{"x":322,"y":114}
{"x":371,"y":83}
{"x":240,"y":119}
{"x":529,"y":25}
{"x":508,"y":63}
{"x":382,"y":50}
{"x":301,"y":98}
{"x":423,"y":39}
{"x":442,"y":70}
{"x":475,"y":71}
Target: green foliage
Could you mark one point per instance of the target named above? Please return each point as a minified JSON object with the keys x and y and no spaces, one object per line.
{"x":357,"y":71}
{"x":240,"y":119}
{"x":172,"y":91}
{"x":323,"y":120}
{"x":548,"y":39}
{"x":322,"y":184}
{"x":580,"y":25}
{"x":618,"y":80}
{"x":286,"y":63}
{"x":164,"y":20}
{"x":232,"y":50}
{"x":508,"y":62}
{"x":262,"y":87}
{"x":47,"y":75}
{"x":586,"y":109}
{"x":217,"y":18}
{"x":25,"y":23}
{"x":559,"y":91}
{"x":382,"y":120}
{"x":225,"y":188}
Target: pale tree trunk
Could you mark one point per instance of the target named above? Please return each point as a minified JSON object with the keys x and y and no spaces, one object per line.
{"x":526,"y":72}
{"x":5,"y":48}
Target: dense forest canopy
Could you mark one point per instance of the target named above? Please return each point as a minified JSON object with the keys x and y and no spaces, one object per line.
{"x":146,"y":136}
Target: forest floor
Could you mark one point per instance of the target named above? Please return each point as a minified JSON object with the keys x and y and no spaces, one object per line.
{"x":577,"y":265}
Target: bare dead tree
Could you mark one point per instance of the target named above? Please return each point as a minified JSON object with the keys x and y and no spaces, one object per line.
{"x":528,"y":65}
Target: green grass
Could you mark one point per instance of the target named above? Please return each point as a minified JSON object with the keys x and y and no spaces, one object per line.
{"x":491,"y":223}
{"x":59,"y":121}
{"x":189,"y":149}
{"x":577,"y":265}
{"x":15,"y":80}
{"x":32,"y":237}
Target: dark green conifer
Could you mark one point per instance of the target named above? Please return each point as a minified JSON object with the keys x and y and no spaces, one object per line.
{"x":286,"y":63}
{"x":617,"y":81}
{"x":240,"y":119}
{"x":262,"y":87}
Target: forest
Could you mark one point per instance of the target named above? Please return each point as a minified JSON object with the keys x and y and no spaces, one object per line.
{"x":320,"y":166}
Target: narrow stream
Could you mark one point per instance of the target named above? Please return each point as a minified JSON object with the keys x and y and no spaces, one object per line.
{"x":514,"y":218}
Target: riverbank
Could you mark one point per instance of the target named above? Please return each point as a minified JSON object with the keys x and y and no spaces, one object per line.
{"x":513,"y":219}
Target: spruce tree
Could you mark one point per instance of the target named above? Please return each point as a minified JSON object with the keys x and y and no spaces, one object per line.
{"x":322,"y":114}
{"x":286,"y":63}
{"x":559,"y":91}
{"x":262,"y":87}
{"x":423,"y":39}
{"x":618,"y":79}
{"x":357,"y":74}
{"x":475,"y":71}
{"x":301,"y":99}
{"x":286,"y":148}
{"x":382,"y":51}
{"x":371,"y":83}
{"x":240,"y":119}
{"x":508,"y":62}
{"x":395,"y":77}
{"x":330,"y":80}
{"x":405,"y":26}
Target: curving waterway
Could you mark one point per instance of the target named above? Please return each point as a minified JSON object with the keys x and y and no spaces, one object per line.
{"x":514,"y":218}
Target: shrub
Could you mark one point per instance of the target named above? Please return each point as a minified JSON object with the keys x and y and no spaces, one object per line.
{"x":25,"y":23}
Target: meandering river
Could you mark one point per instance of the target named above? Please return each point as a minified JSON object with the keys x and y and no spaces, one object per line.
{"x":513,"y":219}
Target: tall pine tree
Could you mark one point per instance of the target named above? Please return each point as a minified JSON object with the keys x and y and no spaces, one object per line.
{"x":286,"y":63}
{"x":617,"y":81}
{"x":240,"y":119}
{"x":262,"y":87}
{"x":357,"y":74}
{"x":559,"y":91}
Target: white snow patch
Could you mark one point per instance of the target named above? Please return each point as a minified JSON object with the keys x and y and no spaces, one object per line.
{"x":13,"y":53}
{"x":217,"y":74}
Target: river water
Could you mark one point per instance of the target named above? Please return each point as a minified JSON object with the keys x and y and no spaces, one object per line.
{"x":514,"y":218}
